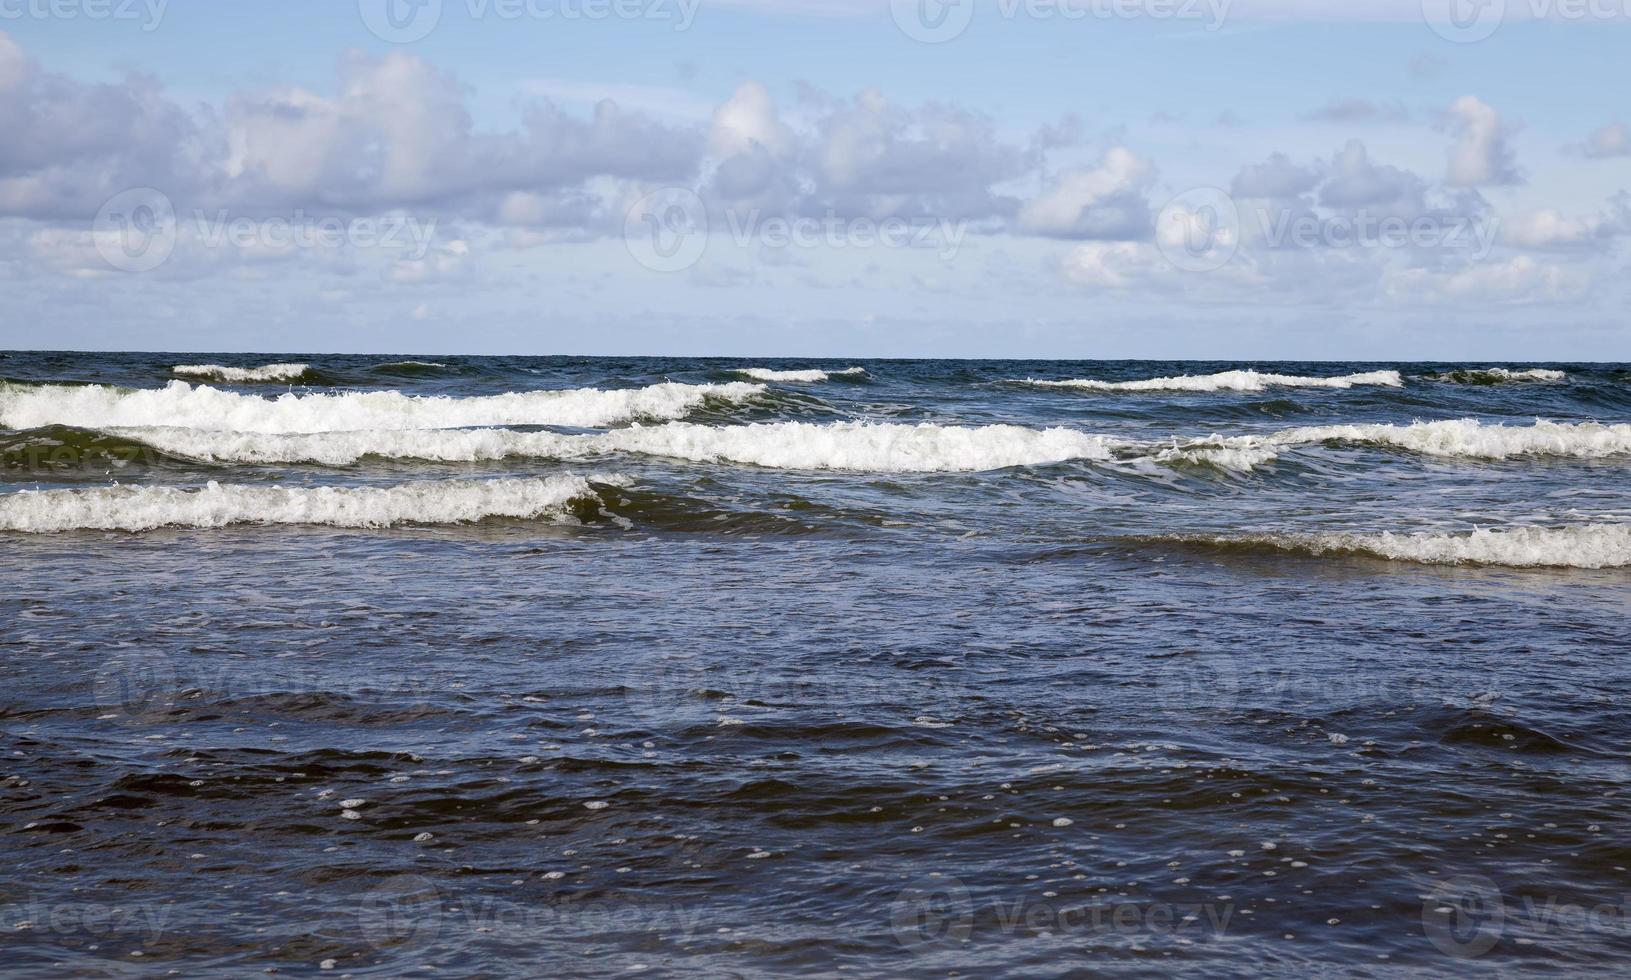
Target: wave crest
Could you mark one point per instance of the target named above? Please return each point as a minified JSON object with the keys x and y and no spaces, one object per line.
{"x":801,"y":377}
{"x":1578,"y":546}
{"x":1491,"y":376}
{"x":1245,"y":381}
{"x":206,"y":408}
{"x":266,"y":372}
{"x":853,"y":446}
{"x":144,"y":508}
{"x":1452,"y":438}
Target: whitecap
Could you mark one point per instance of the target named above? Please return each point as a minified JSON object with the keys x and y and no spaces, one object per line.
{"x":852,"y":446}
{"x":207,"y":408}
{"x":267,"y":372}
{"x":797,"y":377}
{"x":143,"y":508}
{"x":1244,"y":381}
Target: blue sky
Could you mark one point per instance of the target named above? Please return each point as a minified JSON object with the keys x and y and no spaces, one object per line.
{"x":1263,"y":179}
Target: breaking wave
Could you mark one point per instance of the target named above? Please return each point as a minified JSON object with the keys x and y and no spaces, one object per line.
{"x":1492,"y":376}
{"x":853,"y":446}
{"x":144,"y":508}
{"x":268,"y":372}
{"x":1579,"y":546}
{"x":206,"y":408}
{"x":1226,"y":381}
{"x":801,"y":377}
{"x":1455,"y":438}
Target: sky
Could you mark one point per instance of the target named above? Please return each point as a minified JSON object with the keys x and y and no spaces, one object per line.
{"x":1220,"y":179}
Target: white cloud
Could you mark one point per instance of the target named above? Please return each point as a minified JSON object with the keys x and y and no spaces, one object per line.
{"x":1480,"y":154}
{"x":1521,"y":278}
{"x":1105,"y":202}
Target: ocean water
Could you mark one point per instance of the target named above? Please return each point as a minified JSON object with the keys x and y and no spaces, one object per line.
{"x":617,"y":666}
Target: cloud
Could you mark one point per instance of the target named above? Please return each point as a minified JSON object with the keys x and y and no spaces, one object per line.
{"x":1612,"y":140}
{"x":1106,"y":202}
{"x":1277,"y":178}
{"x":1549,"y":228}
{"x":1521,"y":278}
{"x":1350,"y":111}
{"x":68,"y":146}
{"x":1356,"y":182}
{"x":1480,"y":154}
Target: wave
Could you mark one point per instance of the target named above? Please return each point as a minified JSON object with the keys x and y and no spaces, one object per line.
{"x":206,"y":408}
{"x":1491,"y":376}
{"x":144,"y":508}
{"x":1226,"y":381}
{"x":853,"y":446}
{"x":1578,"y":546}
{"x":1455,"y":438}
{"x":802,"y":377}
{"x":410,"y":369}
{"x":268,"y":372}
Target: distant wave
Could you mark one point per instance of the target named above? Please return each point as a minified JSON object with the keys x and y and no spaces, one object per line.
{"x":268,"y":372}
{"x":143,"y":508}
{"x":1456,"y":438}
{"x":1490,"y":376}
{"x":203,"y":407}
{"x":410,"y":369}
{"x":801,"y":377}
{"x":853,"y":446}
{"x":1579,"y":546}
{"x":1225,"y":381}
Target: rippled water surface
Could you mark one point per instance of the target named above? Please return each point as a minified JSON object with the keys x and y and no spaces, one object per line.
{"x":574,"y":666}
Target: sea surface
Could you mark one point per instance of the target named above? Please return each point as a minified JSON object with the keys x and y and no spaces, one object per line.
{"x":556,"y":666}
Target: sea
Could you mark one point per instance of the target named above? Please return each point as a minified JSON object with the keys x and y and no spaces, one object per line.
{"x":386,"y":666}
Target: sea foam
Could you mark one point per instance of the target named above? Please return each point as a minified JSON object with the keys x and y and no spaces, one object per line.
{"x":853,"y":446}
{"x":1226,"y":381}
{"x":268,"y":372}
{"x":1499,"y":375}
{"x":203,"y":407}
{"x":1452,"y":438}
{"x":1579,"y":546}
{"x":143,"y":508}
{"x":801,"y":377}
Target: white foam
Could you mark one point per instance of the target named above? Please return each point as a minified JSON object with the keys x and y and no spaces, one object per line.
{"x":1453,"y":438}
{"x":203,"y":407}
{"x":863,"y":446}
{"x":1227,"y":381}
{"x":1504,"y":374}
{"x":800,"y":377}
{"x":268,"y":372}
{"x":854,"y":446}
{"x":143,"y":508}
{"x":1580,"y":546}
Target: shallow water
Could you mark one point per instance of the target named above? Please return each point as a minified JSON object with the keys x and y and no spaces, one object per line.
{"x":821,"y":697}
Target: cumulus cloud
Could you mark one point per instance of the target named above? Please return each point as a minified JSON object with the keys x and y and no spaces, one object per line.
{"x":1104,"y":202}
{"x":1480,"y":154}
{"x":1277,"y":178}
{"x":1356,"y":182}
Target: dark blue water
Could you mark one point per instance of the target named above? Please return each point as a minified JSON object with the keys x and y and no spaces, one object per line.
{"x":386,"y":669}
